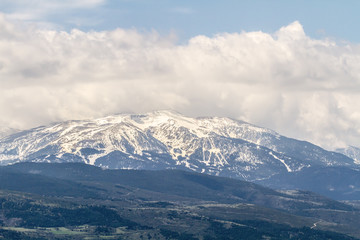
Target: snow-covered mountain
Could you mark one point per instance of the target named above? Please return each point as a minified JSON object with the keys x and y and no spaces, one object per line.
{"x":164,"y":139}
{"x":5,"y":131}
{"x":351,"y":152}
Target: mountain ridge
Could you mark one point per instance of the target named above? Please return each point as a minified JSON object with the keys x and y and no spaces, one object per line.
{"x":161,"y":132}
{"x":168,"y":140}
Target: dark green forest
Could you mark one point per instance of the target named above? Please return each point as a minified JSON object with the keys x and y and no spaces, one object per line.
{"x":77,"y":201}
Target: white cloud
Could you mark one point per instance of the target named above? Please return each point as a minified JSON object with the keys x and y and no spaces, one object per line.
{"x":38,"y":10}
{"x":51,"y":4}
{"x":286,"y":81}
{"x":182,"y":10}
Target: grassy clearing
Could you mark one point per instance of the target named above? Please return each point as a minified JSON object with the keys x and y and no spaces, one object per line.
{"x":83,"y":232}
{"x":19,"y":229}
{"x":64,"y":231}
{"x":120,"y":230}
{"x":101,"y":237}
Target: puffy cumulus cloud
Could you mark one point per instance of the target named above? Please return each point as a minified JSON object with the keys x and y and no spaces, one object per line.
{"x":286,"y":81}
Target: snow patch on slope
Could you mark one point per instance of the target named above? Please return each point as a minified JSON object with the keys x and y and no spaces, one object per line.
{"x":281,"y":160}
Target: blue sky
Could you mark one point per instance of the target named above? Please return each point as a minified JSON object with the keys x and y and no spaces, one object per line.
{"x":320,"y":18}
{"x":291,"y":66}
{"x":188,"y":18}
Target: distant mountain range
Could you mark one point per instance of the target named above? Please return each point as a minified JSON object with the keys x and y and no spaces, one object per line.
{"x":168,"y":140}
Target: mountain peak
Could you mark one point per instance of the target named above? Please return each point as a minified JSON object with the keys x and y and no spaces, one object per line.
{"x":167,"y":139}
{"x":168,"y":112}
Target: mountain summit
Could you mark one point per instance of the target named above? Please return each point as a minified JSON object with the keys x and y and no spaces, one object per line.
{"x":168,"y":140}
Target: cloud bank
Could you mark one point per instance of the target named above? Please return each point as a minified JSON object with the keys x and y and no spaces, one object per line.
{"x":286,"y":81}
